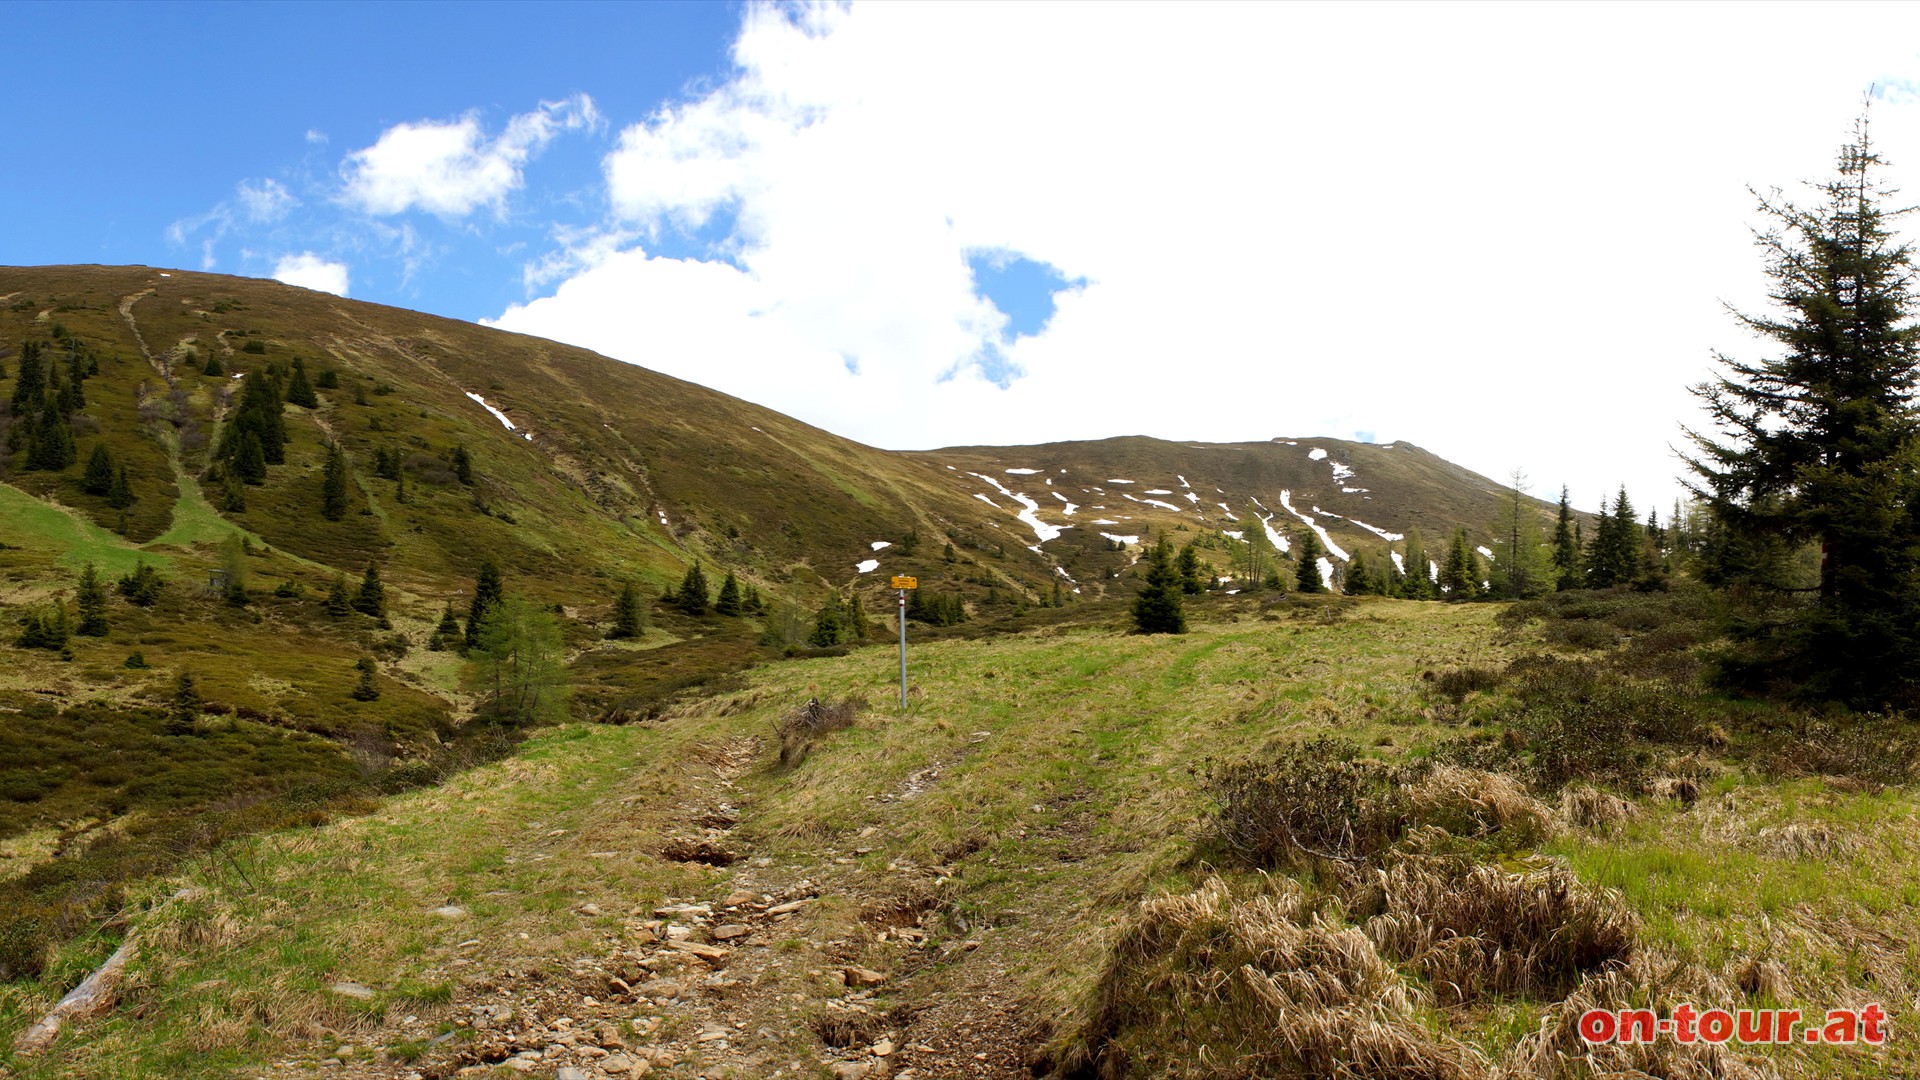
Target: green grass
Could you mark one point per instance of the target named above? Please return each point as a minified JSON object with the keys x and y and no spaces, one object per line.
{"x":71,"y":540}
{"x":1055,"y":774}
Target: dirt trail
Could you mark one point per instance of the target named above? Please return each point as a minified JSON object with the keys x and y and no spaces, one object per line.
{"x":126,"y":312}
{"x":736,"y":985}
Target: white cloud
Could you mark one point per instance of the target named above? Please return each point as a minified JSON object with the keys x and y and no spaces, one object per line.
{"x":1458,"y":226}
{"x":452,"y":168}
{"x":310,"y":271}
{"x":266,"y":202}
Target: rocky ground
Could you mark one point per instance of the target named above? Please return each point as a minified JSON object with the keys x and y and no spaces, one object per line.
{"x":744,"y":981}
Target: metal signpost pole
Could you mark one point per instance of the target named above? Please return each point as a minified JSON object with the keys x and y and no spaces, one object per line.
{"x":902,"y":584}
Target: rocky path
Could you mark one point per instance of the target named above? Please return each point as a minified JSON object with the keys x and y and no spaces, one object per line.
{"x":747,"y":982}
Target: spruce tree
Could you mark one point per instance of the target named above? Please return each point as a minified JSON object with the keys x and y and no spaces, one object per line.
{"x":447,"y":634}
{"x":1458,"y":577}
{"x":1157,"y":610}
{"x":52,"y":446}
{"x":692,"y":596}
{"x":98,"y":479}
{"x":1613,"y":556}
{"x":183,"y":711}
{"x":257,"y":414}
{"x":366,"y":689}
{"x":333,"y":485}
{"x":299,"y":390}
{"x":1566,"y":551}
{"x":249,"y":462}
{"x":488,"y":590}
{"x":214,"y":367}
{"x":1191,"y":582}
{"x":462,"y":465}
{"x":1306,"y":575}
{"x":1418,"y":583}
{"x":1359,"y":578}
{"x":728,"y":602}
{"x":372,"y":597}
{"x":1819,"y":445}
{"x":142,"y":588}
{"x":29,"y":386}
{"x":91,"y":598}
{"x":829,"y":624}
{"x":628,"y":622}
{"x":856,"y":628}
{"x":339,"y":601}
{"x":120,"y":494}
{"x":329,"y":379}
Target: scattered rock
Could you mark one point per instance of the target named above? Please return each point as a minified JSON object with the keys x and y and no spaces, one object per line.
{"x":712,"y":954}
{"x":571,"y":1073}
{"x":353,"y":990}
{"x":789,"y":906}
{"x":883,"y":1048}
{"x":852,"y":1070}
{"x":658,"y":988}
{"x":451,"y":911}
{"x":729,"y":932}
{"x":859,"y":976}
{"x":590,"y":910}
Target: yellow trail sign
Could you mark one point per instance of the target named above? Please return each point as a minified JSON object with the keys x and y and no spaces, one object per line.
{"x":906,"y":583}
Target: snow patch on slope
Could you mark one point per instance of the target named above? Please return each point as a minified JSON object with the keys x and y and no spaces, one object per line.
{"x":867,"y":565}
{"x":1286,"y":500}
{"x":1030,"y":512}
{"x":497,"y":414}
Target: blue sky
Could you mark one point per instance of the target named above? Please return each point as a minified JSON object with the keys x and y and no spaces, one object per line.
{"x":144,"y":115}
{"x":940,"y":223}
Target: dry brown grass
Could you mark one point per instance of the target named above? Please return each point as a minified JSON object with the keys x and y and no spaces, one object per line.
{"x":799,"y":729}
{"x":1761,"y":977}
{"x":1797,"y":840}
{"x":1583,"y":806}
{"x":1202,"y":984}
{"x":1557,"y":1052}
{"x":1477,"y":930}
{"x":1472,"y":803}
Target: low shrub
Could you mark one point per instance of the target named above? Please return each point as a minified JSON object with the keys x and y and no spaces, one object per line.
{"x":1476,"y":931}
{"x":799,"y":729}
{"x":1204,"y":985}
{"x":1309,"y":800}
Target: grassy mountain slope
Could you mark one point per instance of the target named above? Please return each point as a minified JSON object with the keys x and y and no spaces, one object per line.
{"x":1193,"y":490}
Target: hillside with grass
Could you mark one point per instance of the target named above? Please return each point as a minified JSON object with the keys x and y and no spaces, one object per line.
{"x":1348,"y":837}
{"x":282,"y":574}
{"x":237,"y":460}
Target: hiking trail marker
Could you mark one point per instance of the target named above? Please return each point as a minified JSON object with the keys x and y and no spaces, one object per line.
{"x":902,"y":584}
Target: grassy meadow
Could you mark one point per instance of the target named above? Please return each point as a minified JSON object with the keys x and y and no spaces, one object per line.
{"x":1040,"y":836}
